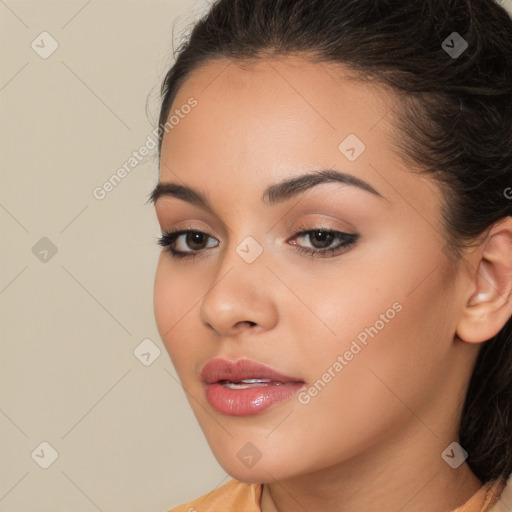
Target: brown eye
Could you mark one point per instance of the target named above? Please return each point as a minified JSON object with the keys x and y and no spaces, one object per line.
{"x":321,"y":242}
{"x":196,"y":240}
{"x":186,"y":243}
{"x":321,"y":239}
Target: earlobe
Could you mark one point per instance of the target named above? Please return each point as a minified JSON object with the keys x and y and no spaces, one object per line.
{"x":489,"y":304}
{"x":486,"y":289}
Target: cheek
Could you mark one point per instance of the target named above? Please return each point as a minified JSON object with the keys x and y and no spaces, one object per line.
{"x":394,"y":299}
{"x":392,"y":347}
{"x":175,"y":296}
{"x":396,"y":363}
{"x":164,"y":299}
{"x":391,"y":324}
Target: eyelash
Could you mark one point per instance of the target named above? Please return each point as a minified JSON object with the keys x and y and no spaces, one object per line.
{"x":347,"y":241}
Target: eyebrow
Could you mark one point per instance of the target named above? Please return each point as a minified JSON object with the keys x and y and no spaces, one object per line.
{"x":276,"y":193}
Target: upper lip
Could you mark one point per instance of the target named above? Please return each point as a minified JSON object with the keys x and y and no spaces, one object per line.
{"x":221,"y":369}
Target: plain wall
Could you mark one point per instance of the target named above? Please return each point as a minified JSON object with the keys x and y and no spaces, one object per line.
{"x":70,"y":320}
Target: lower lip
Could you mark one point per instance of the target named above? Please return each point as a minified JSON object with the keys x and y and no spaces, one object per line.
{"x":246,"y":402}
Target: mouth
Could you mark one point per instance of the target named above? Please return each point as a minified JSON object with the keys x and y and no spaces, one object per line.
{"x":245,"y":387}
{"x":251,"y":383}
{"x":242,"y":371}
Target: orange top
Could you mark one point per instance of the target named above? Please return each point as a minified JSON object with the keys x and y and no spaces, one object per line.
{"x":238,"y":497}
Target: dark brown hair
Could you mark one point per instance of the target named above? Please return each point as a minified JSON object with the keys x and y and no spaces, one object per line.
{"x":454,"y":120}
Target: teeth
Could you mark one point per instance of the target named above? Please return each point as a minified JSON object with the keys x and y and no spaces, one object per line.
{"x":248,"y":383}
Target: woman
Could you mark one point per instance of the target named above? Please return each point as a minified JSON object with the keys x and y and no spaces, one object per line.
{"x":335,"y":289}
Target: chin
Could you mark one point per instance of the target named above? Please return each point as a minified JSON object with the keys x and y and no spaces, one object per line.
{"x":259,"y":474}
{"x":266,"y":469}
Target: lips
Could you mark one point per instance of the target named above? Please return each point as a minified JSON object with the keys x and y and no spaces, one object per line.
{"x":244,"y":387}
{"x":217,"y":370}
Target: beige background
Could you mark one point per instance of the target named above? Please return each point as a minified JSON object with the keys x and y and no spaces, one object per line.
{"x":70,"y":321}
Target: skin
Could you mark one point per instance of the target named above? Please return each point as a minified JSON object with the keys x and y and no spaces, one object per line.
{"x":372,"y":438}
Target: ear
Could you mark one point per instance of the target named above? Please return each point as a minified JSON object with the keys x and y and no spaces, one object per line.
{"x":489,"y":301}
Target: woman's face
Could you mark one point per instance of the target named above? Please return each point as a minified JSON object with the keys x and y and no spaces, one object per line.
{"x":365,"y":326}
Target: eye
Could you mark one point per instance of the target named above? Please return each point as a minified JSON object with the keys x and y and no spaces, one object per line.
{"x":190,"y":243}
{"x":321,"y":242}
{"x":177,"y":242}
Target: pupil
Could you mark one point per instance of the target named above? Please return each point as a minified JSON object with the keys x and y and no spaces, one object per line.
{"x":325,"y":239}
{"x":194,"y":238}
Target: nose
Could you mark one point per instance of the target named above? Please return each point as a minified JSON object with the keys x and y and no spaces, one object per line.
{"x":240,"y":297}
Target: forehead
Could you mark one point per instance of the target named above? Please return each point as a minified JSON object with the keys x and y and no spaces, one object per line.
{"x":257,"y":124}
{"x":288,"y":109}
{"x":316,"y":91}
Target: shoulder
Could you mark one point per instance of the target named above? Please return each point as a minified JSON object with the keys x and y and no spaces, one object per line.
{"x":233,"y":496}
{"x":503,"y":499}
{"x":486,"y":499}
